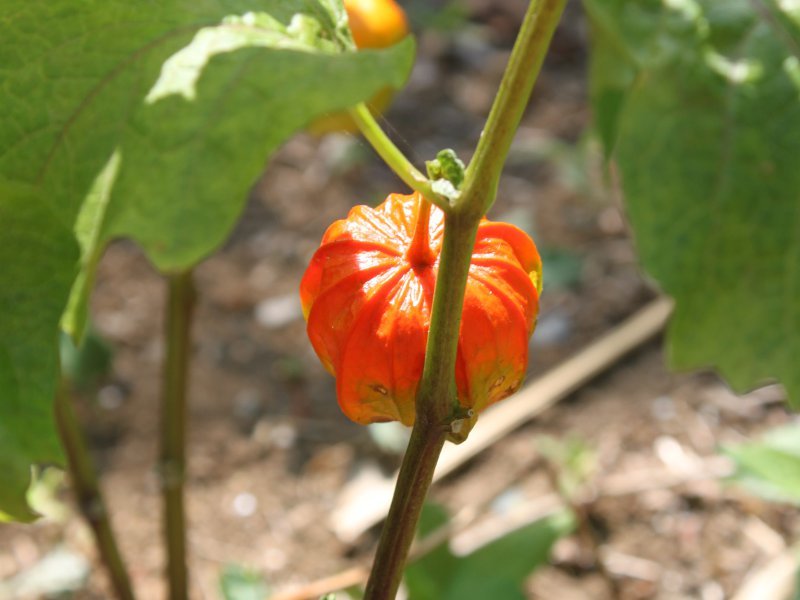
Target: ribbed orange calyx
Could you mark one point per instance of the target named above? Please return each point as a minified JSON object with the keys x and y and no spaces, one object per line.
{"x":367,"y":297}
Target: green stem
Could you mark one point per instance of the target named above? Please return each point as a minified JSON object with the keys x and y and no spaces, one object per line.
{"x":524,"y":65}
{"x":436,"y":397}
{"x":172,"y":465}
{"x":90,"y":499}
{"x":437,"y":405}
{"x":393,"y":157}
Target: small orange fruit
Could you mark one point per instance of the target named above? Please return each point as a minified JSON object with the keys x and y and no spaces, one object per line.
{"x":374,"y":24}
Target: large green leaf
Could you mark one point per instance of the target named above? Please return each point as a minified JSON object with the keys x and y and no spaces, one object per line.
{"x":234,"y":88}
{"x":187,"y":164}
{"x":73,"y":74}
{"x":150,"y":121}
{"x":702,"y":107}
{"x":38,"y":259}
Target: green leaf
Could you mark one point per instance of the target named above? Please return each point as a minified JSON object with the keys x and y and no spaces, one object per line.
{"x":446,"y":173}
{"x":226,"y":82}
{"x":705,"y":135}
{"x":38,"y":259}
{"x":771,"y":467}
{"x":188,"y":165}
{"x":509,"y":559}
{"x":224,"y":91}
{"x":572,"y":459}
{"x":71,"y":78}
{"x":479,"y":589}
{"x":564,"y":268}
{"x":86,"y":364}
{"x":429,"y":577}
{"x":88,"y":230}
{"x":795,"y":594}
{"x":239,"y":583}
{"x":151,"y":124}
{"x":611,"y":71}
{"x":495,"y":571}
{"x":447,"y":166}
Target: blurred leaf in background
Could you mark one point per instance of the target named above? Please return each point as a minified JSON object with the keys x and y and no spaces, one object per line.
{"x":564,"y":268}
{"x":699,"y":102}
{"x":239,"y":583}
{"x":572,"y":460}
{"x":497,"y":570}
{"x":770,"y":467}
{"x":441,"y":15}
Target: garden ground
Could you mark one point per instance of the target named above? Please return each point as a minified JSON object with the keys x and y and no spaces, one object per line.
{"x":269,"y":452}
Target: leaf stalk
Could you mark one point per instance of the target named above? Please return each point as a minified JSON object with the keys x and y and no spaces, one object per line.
{"x":172,"y":465}
{"x":393,"y":157}
{"x":91,"y":503}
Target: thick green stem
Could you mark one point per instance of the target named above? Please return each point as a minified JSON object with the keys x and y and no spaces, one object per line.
{"x":436,"y":397}
{"x":180,"y":303}
{"x":524,"y":65}
{"x":393,"y":157}
{"x":437,"y":408}
{"x":87,"y":490}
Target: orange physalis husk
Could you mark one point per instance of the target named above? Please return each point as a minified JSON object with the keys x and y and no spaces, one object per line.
{"x":367,"y":301}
